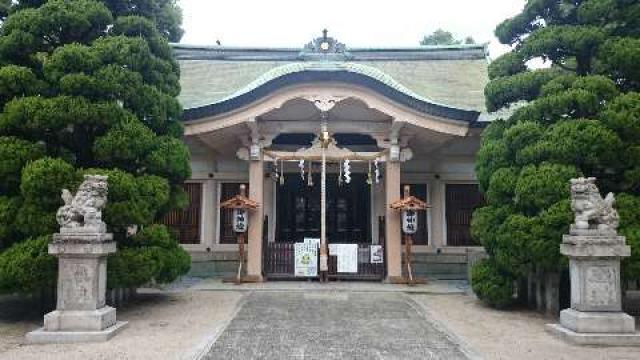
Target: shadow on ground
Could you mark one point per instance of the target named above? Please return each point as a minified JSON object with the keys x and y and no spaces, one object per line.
{"x":31,"y":308}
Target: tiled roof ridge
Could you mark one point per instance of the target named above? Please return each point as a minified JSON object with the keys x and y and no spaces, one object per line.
{"x":364,"y":48}
{"x":219,"y":52}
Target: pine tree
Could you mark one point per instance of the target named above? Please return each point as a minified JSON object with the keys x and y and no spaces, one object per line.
{"x":90,"y":87}
{"x":578,"y":117}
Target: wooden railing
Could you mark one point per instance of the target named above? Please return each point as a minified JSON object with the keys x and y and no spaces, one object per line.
{"x":279,"y":263}
{"x":366,"y":270}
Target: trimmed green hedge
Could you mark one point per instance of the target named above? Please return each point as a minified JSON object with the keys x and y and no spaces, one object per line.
{"x":491,"y":285}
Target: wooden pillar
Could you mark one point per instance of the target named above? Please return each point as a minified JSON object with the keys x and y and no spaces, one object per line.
{"x":437,"y":201}
{"x":256,"y":186}
{"x":392,"y":229}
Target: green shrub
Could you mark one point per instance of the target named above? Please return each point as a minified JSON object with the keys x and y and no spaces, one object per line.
{"x":485,"y":224}
{"x":502,"y":186}
{"x":491,"y":285}
{"x":15,"y":153}
{"x":27,"y":266}
{"x":44,"y":179}
{"x":32,"y":220}
{"x":150,"y":255}
{"x":539,"y":187}
{"x":8,"y":209}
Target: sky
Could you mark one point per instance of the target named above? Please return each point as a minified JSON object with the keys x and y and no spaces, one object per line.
{"x":356,"y":23}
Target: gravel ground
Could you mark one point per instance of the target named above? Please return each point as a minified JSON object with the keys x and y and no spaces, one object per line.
{"x":162,"y":325}
{"x":510,"y":334}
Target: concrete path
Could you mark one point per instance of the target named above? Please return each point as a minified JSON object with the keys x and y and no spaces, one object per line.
{"x":333,"y":325}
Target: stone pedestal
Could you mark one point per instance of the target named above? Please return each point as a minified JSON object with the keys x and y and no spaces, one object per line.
{"x":595,"y":316}
{"x":81,"y":313}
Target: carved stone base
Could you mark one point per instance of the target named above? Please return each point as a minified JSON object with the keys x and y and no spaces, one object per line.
{"x":81,"y":313}
{"x":594,"y":264}
{"x":90,"y":320}
{"x":41,"y":336}
{"x":599,"y":339}
{"x":597,"y":322}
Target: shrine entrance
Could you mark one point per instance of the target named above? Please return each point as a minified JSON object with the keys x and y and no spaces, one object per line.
{"x":348,"y":210}
{"x":348,"y":222}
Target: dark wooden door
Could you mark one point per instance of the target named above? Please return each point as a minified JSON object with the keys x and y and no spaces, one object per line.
{"x":348,"y":209}
{"x":461,"y":201}
{"x":185,"y":224}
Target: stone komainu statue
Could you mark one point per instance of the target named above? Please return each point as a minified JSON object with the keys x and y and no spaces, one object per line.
{"x":82,"y":213}
{"x":592,"y":212}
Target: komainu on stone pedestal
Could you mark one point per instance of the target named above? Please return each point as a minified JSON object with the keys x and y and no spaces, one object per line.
{"x":82,"y":246}
{"x":593,"y":214}
{"x":594,"y":249}
{"x":82,"y":213}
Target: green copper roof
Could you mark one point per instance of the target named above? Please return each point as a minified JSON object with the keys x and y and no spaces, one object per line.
{"x":451,"y":76}
{"x":362,"y":69}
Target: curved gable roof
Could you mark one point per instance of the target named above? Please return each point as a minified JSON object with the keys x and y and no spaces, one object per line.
{"x":329,"y":71}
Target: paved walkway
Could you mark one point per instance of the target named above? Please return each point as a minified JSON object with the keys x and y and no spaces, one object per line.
{"x":333,"y":325}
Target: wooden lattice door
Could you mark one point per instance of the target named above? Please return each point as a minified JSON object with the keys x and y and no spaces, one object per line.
{"x":461,"y":201}
{"x":185,"y":224}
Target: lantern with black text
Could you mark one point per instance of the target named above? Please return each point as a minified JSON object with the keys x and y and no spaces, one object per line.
{"x":240,"y":220}
{"x":409,"y":207}
{"x":409,"y":221}
{"x":241,"y":206}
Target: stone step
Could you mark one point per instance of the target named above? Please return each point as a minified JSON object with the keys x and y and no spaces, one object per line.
{"x":438,"y":266}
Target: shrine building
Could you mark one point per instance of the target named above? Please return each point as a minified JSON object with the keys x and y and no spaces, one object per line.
{"x":397,"y":115}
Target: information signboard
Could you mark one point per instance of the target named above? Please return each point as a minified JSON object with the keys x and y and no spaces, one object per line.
{"x":377,"y":257}
{"x":306,"y":259}
{"x":347,"y":258}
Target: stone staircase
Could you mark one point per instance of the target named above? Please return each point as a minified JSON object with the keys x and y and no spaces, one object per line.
{"x":440,"y":266}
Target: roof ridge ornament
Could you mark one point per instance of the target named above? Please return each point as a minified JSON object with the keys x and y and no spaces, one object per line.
{"x":325,"y":48}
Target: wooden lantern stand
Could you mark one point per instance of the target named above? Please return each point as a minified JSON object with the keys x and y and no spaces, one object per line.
{"x":413,"y":204}
{"x":240,"y":202}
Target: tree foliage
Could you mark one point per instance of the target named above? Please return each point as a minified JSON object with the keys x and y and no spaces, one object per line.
{"x":90,"y":86}
{"x":443,"y":37}
{"x":578,"y":117}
